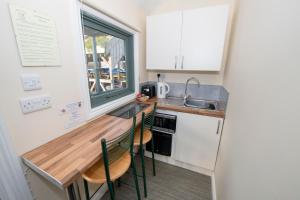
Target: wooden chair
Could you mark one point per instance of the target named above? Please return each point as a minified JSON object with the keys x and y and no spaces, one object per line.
{"x":117,"y":157}
{"x":143,"y":134}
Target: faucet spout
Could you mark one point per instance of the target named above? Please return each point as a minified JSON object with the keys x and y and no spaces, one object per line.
{"x":186,"y":86}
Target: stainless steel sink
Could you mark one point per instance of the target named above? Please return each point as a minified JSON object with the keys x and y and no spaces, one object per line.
{"x":188,"y":101}
{"x":201,"y":104}
{"x":191,"y":102}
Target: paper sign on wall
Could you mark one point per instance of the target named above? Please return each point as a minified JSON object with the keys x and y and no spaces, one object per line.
{"x":73,"y":113}
{"x":36,"y":37}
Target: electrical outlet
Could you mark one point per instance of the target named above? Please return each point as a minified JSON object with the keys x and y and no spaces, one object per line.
{"x":32,"y":104}
{"x":31,"y":82}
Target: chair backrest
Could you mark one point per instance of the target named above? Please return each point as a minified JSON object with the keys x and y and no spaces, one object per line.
{"x":149,"y":118}
{"x":113,"y":149}
{"x":147,"y":121}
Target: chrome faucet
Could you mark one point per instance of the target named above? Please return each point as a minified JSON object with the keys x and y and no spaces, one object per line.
{"x":186,"y":86}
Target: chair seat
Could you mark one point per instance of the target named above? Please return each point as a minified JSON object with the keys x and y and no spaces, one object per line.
{"x":96,"y":174}
{"x":147,"y":136}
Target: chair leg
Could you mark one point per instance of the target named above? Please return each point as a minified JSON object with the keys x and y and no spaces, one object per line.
{"x":135,"y":179}
{"x":86,"y":189}
{"x":153,"y":160}
{"x":142,"y":151}
{"x":111,"y":190}
{"x":119,"y":182}
{"x":113,"y":187}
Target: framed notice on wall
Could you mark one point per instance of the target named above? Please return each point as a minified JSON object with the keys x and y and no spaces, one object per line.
{"x":36,"y":37}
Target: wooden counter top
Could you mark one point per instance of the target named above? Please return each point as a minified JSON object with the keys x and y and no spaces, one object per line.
{"x":164,"y":106}
{"x":63,"y":159}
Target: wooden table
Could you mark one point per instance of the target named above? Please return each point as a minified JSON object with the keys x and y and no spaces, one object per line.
{"x":62,"y":160}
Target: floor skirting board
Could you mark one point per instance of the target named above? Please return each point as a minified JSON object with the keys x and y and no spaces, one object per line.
{"x":100,"y":193}
{"x":213,"y":187}
{"x":174,"y":162}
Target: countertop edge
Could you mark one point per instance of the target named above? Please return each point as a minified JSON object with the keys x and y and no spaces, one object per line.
{"x":43,"y":173}
{"x":197,"y":111}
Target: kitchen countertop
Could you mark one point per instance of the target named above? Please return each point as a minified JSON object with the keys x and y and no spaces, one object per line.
{"x":176,"y":104}
{"x":63,"y":159}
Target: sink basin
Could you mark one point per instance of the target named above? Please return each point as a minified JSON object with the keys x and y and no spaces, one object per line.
{"x":192,"y":102}
{"x":198,"y":103}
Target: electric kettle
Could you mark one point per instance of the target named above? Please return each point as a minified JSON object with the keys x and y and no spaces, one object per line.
{"x":162,"y":90}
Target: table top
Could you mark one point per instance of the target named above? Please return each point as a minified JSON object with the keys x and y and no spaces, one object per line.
{"x":63,"y":159}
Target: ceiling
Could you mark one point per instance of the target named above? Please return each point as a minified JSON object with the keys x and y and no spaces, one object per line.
{"x":151,"y":6}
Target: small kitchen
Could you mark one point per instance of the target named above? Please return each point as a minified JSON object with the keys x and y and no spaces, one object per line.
{"x":143,"y":99}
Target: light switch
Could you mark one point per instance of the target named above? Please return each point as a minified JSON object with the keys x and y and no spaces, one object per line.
{"x":31,"y":82}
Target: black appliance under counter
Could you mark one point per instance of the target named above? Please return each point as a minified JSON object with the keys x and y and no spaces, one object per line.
{"x":162,"y":143}
{"x":163,"y":129}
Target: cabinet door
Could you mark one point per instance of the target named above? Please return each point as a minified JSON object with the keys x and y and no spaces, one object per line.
{"x":203,"y":38}
{"x":197,"y":139}
{"x":163,"y":41}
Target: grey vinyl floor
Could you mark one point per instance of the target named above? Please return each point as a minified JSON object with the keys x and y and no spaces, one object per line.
{"x":170,"y":183}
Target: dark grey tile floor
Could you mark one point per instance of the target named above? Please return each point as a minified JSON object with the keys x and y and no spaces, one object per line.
{"x":170,"y":183}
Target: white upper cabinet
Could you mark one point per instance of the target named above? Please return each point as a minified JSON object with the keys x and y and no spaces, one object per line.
{"x":188,"y":40}
{"x":163,"y":36}
{"x":203,"y":38}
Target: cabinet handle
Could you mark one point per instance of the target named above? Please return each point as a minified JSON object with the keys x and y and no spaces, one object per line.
{"x":176,"y":57}
{"x":219,"y":122}
{"x":182,"y":62}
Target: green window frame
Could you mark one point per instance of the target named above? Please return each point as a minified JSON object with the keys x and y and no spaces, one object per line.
{"x":98,"y":24}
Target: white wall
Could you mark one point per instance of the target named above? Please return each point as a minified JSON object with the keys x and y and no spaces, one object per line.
{"x":259,"y":155}
{"x":161,"y":6}
{"x":62,"y":83}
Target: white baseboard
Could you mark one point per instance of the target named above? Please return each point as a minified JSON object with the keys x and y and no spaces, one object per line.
{"x":100,"y":193}
{"x":177,"y":163}
{"x":213,"y":187}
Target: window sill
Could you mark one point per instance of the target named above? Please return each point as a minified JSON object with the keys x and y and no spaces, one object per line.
{"x":105,"y":108}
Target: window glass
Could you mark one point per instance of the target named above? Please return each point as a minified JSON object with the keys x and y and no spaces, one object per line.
{"x":106,"y":61}
{"x":109,"y":60}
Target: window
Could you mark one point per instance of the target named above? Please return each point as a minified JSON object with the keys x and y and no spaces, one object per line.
{"x":109,"y":60}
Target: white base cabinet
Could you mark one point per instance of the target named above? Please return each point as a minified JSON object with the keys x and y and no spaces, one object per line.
{"x":197,"y":139}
